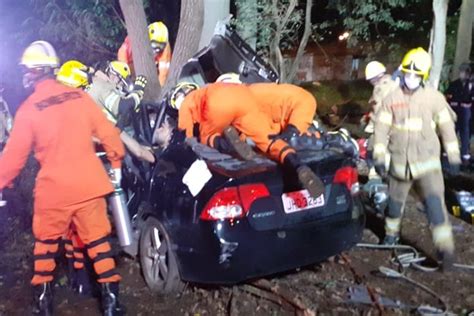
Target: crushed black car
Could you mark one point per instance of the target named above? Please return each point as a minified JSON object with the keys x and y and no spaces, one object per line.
{"x":243,"y":219}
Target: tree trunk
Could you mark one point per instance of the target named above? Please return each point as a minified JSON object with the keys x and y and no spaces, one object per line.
{"x":214,"y":11}
{"x":464,"y":36}
{"x":303,"y":42}
{"x":440,"y":9}
{"x":143,"y":60}
{"x":187,"y":42}
{"x":247,"y":11}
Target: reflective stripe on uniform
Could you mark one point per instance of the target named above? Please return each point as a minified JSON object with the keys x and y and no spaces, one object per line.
{"x":417,"y":168}
{"x":392,"y":225}
{"x":452,"y":147}
{"x":414,"y":124}
{"x":164,"y":64}
{"x":443,"y":117}
{"x":385,"y":117}
{"x":443,"y":237}
{"x":379,"y":149}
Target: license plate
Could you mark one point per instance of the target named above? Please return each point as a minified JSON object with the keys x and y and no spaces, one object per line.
{"x":300,"y":200}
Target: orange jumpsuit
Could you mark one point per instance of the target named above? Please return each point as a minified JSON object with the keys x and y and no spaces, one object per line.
{"x":285,"y":104}
{"x":58,"y":123}
{"x":162,"y":60}
{"x":219,"y":105}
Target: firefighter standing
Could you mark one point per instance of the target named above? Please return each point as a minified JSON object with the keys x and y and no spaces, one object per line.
{"x":218,"y":115}
{"x":375,"y":73}
{"x":110,"y":91}
{"x":459,"y":96}
{"x":406,"y":127}
{"x":159,"y":41}
{"x":58,"y":123}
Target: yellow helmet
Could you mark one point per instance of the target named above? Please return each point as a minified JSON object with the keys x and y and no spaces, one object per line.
{"x":417,"y":61}
{"x":181,"y":88}
{"x":73,"y":73}
{"x":39,"y":54}
{"x":158,"y":32}
{"x":229,"y":77}
{"x":374,"y":69}
{"x":120,"y":73}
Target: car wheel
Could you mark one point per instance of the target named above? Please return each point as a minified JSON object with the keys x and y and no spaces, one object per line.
{"x":157,"y":259}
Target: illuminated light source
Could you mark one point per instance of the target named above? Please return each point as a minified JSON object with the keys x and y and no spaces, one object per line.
{"x":344,"y":36}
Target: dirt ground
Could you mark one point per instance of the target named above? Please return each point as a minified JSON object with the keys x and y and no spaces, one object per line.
{"x":322,"y":288}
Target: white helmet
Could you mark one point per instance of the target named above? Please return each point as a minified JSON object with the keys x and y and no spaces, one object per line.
{"x":229,"y":77}
{"x":374,"y":69}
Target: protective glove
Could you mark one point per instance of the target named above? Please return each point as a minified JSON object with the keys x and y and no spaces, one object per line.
{"x":380,"y":169}
{"x":116,"y":176}
{"x":289,"y":132}
{"x":138,"y":89}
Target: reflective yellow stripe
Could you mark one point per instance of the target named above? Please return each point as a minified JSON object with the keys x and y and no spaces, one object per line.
{"x":379,"y":149}
{"x":452,"y":147}
{"x":392,"y":225}
{"x":443,"y":237}
{"x":385,"y":117}
{"x":443,"y":117}
{"x":411,"y":124}
{"x":417,"y":168}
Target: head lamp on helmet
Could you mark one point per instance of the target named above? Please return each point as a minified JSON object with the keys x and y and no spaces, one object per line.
{"x":180,"y":92}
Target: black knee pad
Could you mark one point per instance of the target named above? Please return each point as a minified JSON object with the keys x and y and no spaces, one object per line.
{"x":434,"y":209}
{"x":394,"y":208}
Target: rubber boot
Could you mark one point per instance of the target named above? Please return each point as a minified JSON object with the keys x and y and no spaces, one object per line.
{"x":446,"y":260}
{"x":110,"y":303}
{"x":240,"y":148}
{"x":43,"y":300}
{"x":83,"y":285}
{"x":306,"y":176}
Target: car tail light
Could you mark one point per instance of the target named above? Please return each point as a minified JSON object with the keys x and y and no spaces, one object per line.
{"x":349,"y":177}
{"x":234,"y":202}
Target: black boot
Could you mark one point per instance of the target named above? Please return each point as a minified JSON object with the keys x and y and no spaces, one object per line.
{"x":110,"y":303}
{"x":446,"y":260}
{"x":391,"y":240}
{"x":306,"y":176}
{"x":43,"y":300}
{"x":234,"y":145}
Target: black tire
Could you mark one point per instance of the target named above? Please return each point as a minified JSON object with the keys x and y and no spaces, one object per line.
{"x":157,"y":259}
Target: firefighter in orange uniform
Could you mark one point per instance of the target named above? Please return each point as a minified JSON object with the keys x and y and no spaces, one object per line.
{"x":58,"y":123}
{"x":219,"y":116}
{"x":159,"y":40}
{"x":290,"y":107}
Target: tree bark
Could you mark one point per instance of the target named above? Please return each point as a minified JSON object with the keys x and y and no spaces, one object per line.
{"x":247,"y":10}
{"x":464,"y":36}
{"x":440,"y":10}
{"x":303,"y":42}
{"x":187,"y":42}
{"x":214,"y":11}
{"x":143,"y":60}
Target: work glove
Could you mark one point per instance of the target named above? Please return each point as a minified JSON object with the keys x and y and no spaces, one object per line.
{"x":381,"y":170}
{"x":289,"y":132}
{"x":138,"y":89}
{"x":116,"y":176}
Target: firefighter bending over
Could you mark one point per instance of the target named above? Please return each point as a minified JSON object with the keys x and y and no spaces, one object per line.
{"x":220,"y":117}
{"x":58,"y":123}
{"x":406,"y":126}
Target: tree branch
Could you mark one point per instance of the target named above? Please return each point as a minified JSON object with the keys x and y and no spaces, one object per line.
{"x":304,"y":41}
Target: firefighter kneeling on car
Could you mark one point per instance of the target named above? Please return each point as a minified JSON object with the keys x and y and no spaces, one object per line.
{"x":58,"y":123}
{"x":406,"y":126}
{"x":221,"y":118}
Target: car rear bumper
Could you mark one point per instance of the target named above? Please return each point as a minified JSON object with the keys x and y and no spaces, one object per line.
{"x":229,"y":253}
